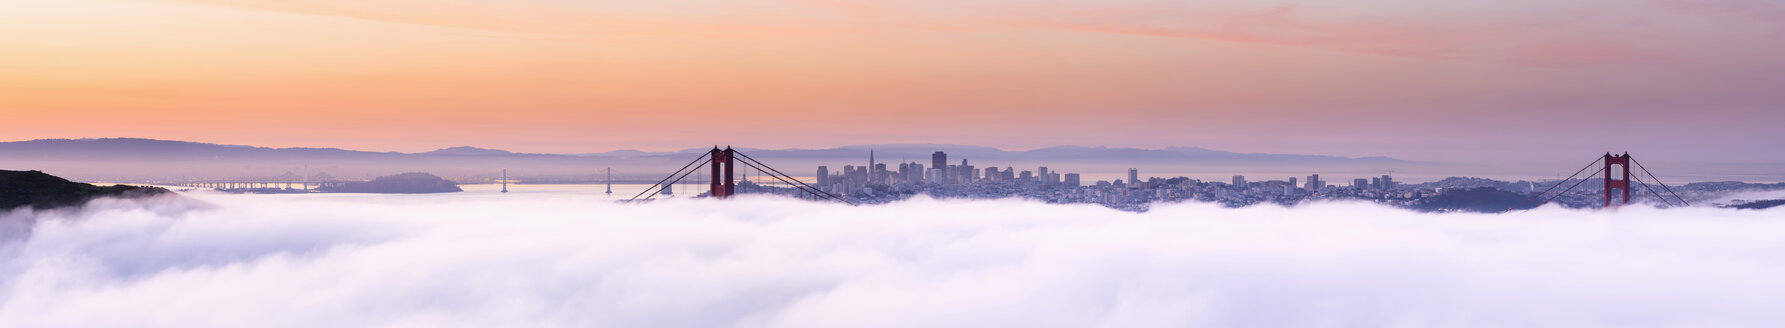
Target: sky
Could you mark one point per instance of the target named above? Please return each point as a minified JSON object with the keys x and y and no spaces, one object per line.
{"x":1510,"y":81}
{"x":476,"y":259}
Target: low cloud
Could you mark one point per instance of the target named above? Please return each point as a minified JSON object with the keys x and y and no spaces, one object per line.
{"x":446,"y":261}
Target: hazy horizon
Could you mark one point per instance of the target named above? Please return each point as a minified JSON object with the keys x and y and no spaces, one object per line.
{"x":100,"y":164}
{"x":1513,"y":81}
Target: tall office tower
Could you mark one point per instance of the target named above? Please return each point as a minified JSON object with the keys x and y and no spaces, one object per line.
{"x":880,"y":176}
{"x":939,"y":161}
{"x":1133,"y":176}
{"x":1053,"y":178}
{"x":873,"y":171}
{"x":1376,"y":183}
{"x":916,"y":173}
{"x":1360,"y":183}
{"x":1072,"y":179}
{"x":1027,"y":176}
{"x":1314,"y":183}
{"x":824,"y":174}
{"x":1042,"y":173}
{"x":848,"y":177}
{"x":1388,"y":182}
{"x":1239,"y":181}
{"x":991,"y":173}
{"x":902,"y":175}
{"x":972,"y":173}
{"x":1009,"y":173}
{"x":861,"y":177}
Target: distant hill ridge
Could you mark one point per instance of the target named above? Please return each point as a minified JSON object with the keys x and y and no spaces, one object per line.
{"x":43,"y":191}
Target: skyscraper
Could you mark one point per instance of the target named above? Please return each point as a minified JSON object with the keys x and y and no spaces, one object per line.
{"x":1314,"y":183}
{"x":873,"y":171}
{"x":939,"y":161}
{"x":824,"y":175}
{"x":1133,"y":176}
{"x":1072,"y":180}
{"x":1042,"y":173}
{"x":968,"y":173}
{"x":917,"y":173}
{"x":880,"y":174}
{"x":1387,"y":182}
{"x":1239,"y":181}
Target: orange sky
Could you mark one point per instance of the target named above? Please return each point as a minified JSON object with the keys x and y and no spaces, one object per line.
{"x":1404,"y":78}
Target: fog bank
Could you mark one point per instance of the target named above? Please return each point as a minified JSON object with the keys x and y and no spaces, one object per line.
{"x":756,"y":262}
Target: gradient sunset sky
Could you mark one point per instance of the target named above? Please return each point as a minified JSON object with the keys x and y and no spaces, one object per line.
{"x":1509,"y":80}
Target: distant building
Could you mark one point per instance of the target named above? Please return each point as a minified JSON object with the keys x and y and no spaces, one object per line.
{"x":824,"y":174}
{"x":917,"y":173}
{"x":1388,"y":182}
{"x":1041,"y":173}
{"x":1314,"y":184}
{"x":880,"y":174}
{"x":1072,"y":180}
{"x":1133,"y":175}
{"x":1360,"y":183}
{"x":968,"y":173}
{"x":939,"y":161}
{"x":1027,"y":176}
{"x":991,"y":173}
{"x":1239,"y":181}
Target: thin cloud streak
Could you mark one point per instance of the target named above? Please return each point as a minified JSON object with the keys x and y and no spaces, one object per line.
{"x":1517,"y":41}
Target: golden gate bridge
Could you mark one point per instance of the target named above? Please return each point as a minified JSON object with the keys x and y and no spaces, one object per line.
{"x":1614,"y":166}
{"x":720,"y":164}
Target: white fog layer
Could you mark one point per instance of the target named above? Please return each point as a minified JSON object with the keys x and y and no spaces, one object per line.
{"x":272,"y":261}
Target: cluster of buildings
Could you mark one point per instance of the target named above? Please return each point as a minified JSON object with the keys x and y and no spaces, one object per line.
{"x":852,"y":179}
{"x":880,"y":183}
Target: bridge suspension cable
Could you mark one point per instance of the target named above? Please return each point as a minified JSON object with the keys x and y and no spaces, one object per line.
{"x":777,"y":174}
{"x":1658,"y":181}
{"x":1570,"y":177}
{"x":1645,"y":186}
{"x":1565,"y":191}
{"x":659,"y":184}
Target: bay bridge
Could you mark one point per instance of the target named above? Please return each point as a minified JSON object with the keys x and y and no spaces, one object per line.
{"x":285,"y":181}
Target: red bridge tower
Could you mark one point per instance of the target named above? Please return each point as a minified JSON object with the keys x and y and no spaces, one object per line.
{"x":722,"y":186}
{"x":1623,"y":163}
